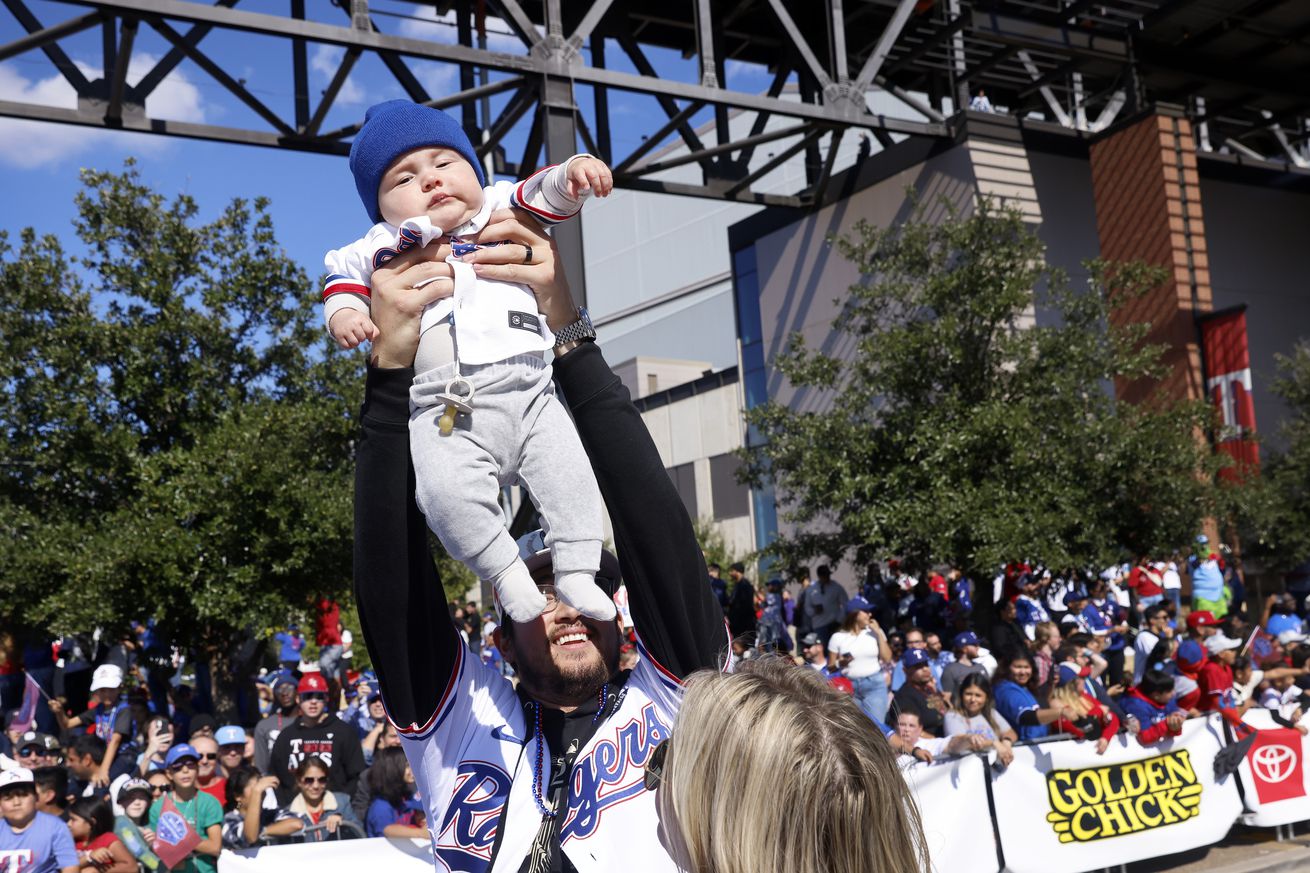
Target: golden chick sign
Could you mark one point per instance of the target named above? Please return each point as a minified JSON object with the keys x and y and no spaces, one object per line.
{"x":1117,"y":799}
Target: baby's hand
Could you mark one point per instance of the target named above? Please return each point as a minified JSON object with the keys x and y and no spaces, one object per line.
{"x":590,"y":174}
{"x":350,"y":327}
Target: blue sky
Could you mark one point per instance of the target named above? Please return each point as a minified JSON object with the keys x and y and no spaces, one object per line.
{"x":314,"y":204}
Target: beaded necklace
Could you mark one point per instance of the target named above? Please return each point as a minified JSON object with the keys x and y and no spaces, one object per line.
{"x":549,"y":812}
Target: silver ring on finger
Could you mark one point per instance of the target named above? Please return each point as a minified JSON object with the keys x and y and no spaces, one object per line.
{"x":527,"y":253}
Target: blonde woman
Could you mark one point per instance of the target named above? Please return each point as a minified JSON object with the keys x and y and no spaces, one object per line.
{"x":1083,"y":716}
{"x":844,"y":809}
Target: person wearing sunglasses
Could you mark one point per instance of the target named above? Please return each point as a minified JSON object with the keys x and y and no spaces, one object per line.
{"x":552,"y":769}
{"x":846,"y":808}
{"x":316,"y":731}
{"x":316,"y":805}
{"x":35,"y":749}
{"x":201,"y":810}
{"x":210,"y":778}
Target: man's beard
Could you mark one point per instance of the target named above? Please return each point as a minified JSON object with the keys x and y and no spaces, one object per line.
{"x":570,"y":686}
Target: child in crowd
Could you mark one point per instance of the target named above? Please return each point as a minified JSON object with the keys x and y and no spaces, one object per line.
{"x":133,"y":825}
{"x":479,"y":360}
{"x":31,"y":840}
{"x":201,"y":811}
{"x":1152,"y":703}
{"x":91,"y":822}
{"x":113,"y":721}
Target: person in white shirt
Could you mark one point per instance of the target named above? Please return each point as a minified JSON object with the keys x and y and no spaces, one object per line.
{"x":1171,"y":582}
{"x":1148,"y":642}
{"x":861,"y":649}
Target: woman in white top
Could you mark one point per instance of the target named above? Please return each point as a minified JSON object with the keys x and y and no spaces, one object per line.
{"x":973,"y":714}
{"x":860,"y":649}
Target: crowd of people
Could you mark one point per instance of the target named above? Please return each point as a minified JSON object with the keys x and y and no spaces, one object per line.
{"x":322,"y":762}
{"x":1086,"y":654}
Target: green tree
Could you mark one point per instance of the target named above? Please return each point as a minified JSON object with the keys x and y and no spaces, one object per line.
{"x":178,"y":439}
{"x":957,"y":430}
{"x":1275,"y":515}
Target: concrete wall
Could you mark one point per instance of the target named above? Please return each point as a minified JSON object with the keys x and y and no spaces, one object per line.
{"x":1259,"y":241}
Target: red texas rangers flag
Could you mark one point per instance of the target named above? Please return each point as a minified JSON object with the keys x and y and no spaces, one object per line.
{"x":1228,"y":383}
{"x":1275,"y":759}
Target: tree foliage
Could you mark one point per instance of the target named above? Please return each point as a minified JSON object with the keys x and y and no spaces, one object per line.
{"x":960,"y":430}
{"x":177,"y":442}
{"x":1275,"y":515}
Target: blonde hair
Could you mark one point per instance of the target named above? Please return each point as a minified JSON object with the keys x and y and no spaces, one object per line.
{"x":1043,"y":632}
{"x":1071,"y":696}
{"x":771,"y":768}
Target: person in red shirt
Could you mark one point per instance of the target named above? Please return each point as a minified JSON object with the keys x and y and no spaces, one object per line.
{"x":1093,"y":719}
{"x":327,"y":633}
{"x":209,"y":779}
{"x":1147,"y":582}
{"x":1216,"y":679}
{"x":91,"y":822}
{"x":1187,"y":687}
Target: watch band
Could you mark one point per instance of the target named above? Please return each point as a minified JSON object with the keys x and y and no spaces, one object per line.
{"x":577,"y":331}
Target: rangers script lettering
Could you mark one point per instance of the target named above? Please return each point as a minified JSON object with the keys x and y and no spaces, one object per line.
{"x":611,"y":773}
{"x":469,"y":828}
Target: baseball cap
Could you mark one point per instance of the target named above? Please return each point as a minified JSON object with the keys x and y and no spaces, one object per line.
{"x":1202,"y":539}
{"x":914,"y":658}
{"x":203,"y":721}
{"x":1065,"y":675}
{"x":1189,"y":656}
{"x":180,"y":751}
{"x":1221,"y":642}
{"x":1288,"y":637}
{"x":1074,"y":594}
{"x":858,"y":603}
{"x":311,"y":683}
{"x":1201,"y":618}
{"x":965,"y":638}
{"x":17,"y":776}
{"x":810,"y":639}
{"x":131,"y":785}
{"x":106,"y":676}
{"x":535,"y":554}
{"x":230,"y":735}
{"x":44,"y":742}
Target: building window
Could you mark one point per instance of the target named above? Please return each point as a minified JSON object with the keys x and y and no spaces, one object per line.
{"x":652,"y":383}
{"x":731,"y":498}
{"x":684,"y":480}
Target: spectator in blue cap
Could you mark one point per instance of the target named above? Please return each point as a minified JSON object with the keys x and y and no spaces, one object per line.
{"x":233,"y":747}
{"x":919,"y":694}
{"x":1074,"y":620}
{"x":200,"y":809}
{"x":861,"y":650}
{"x":965,"y":645}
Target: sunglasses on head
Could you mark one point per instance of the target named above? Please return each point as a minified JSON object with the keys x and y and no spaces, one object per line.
{"x":314,"y":780}
{"x":654,"y":774}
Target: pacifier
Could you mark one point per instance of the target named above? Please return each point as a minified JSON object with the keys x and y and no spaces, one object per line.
{"x":457,"y":398}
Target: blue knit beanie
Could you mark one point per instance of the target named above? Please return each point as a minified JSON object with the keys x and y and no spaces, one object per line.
{"x":393,"y":128}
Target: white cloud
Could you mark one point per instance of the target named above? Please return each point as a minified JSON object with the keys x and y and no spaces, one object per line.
{"x":426,"y":24}
{"x":30,"y":144}
{"x":325,"y":61}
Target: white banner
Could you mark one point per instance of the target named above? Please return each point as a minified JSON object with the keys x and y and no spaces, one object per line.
{"x":952,"y":798}
{"x":343,"y":856}
{"x":1275,"y":780}
{"x":1061,"y":808}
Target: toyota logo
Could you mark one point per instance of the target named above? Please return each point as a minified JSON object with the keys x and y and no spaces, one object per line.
{"x":1273,"y":763}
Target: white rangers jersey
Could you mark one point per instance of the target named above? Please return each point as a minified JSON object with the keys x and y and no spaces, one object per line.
{"x":473,"y":765}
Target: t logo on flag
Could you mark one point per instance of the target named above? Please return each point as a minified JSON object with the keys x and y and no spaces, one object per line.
{"x":1275,"y":760}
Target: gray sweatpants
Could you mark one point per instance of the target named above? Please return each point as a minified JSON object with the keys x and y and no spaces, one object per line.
{"x":518,"y":432}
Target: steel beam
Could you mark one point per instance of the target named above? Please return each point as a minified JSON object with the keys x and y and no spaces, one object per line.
{"x":62,"y":63}
{"x":873,"y":63}
{"x":50,"y":34}
{"x":122,"y":58}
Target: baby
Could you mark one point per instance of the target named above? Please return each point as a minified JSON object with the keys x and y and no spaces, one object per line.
{"x":483,"y":407}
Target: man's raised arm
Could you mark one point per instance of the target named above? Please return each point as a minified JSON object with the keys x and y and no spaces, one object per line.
{"x":402,"y":606}
{"x":673,"y":607}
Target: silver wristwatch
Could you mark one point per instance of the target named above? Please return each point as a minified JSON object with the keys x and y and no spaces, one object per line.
{"x":580,"y":330}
